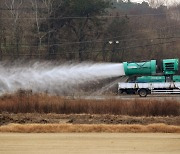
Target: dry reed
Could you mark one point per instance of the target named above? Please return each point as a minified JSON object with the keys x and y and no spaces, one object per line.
{"x":69,"y":128}
{"x":43,"y":103}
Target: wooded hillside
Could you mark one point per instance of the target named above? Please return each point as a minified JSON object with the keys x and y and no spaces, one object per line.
{"x":83,"y":30}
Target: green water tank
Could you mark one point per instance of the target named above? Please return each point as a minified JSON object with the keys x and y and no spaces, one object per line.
{"x":140,"y":68}
{"x":176,"y":78}
{"x":150,"y":79}
{"x":170,"y":66}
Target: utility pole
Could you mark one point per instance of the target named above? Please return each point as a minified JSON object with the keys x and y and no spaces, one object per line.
{"x":114,"y":44}
{"x":1,"y":34}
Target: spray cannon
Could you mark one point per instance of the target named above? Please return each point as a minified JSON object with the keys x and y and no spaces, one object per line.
{"x":140,"y":68}
{"x":167,"y":67}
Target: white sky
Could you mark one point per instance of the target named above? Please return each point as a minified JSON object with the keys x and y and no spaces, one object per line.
{"x":169,"y":1}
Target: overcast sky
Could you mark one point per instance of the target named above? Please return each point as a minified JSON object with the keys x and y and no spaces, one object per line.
{"x":169,"y":1}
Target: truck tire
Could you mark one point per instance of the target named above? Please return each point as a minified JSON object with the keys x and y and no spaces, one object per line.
{"x":120,"y":92}
{"x":142,"y":92}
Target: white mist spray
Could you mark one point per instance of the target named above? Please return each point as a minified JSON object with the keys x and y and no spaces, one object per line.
{"x":42,"y":77}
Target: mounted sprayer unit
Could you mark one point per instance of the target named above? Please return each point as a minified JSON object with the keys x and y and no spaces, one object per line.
{"x":167,"y":69}
{"x":150,"y":77}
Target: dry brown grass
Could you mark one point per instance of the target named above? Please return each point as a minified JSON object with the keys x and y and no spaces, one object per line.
{"x":43,"y":103}
{"x":69,"y":128}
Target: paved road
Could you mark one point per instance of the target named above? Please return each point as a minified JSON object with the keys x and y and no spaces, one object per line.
{"x":89,"y":143}
{"x":127,"y":97}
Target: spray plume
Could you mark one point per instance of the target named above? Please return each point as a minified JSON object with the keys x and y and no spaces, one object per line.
{"x":48,"y":77}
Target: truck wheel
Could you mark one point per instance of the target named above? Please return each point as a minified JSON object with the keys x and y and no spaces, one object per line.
{"x":120,"y":92}
{"x":142,"y":92}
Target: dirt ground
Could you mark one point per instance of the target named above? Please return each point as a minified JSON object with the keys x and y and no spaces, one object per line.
{"x":96,"y":143}
{"x":6,"y":118}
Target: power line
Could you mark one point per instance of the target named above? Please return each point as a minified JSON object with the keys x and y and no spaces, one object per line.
{"x":108,"y":39}
{"x":122,"y":36}
{"x":147,"y":45}
{"x":100,"y":50}
{"x":80,"y":17}
{"x":98,"y":41}
{"x":133,"y":47}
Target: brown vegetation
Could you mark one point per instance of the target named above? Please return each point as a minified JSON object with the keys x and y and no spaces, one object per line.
{"x":69,"y":128}
{"x":43,"y":103}
{"x":51,"y":118}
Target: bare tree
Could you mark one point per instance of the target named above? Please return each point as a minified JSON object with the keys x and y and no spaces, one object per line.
{"x":47,"y":5}
{"x":157,"y":3}
{"x":175,"y":12}
{"x":35,"y":5}
{"x":1,"y":33}
{"x":14,"y":7}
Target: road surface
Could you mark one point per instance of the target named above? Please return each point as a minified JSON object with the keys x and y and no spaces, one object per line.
{"x":131,"y":97}
{"x":89,"y":143}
